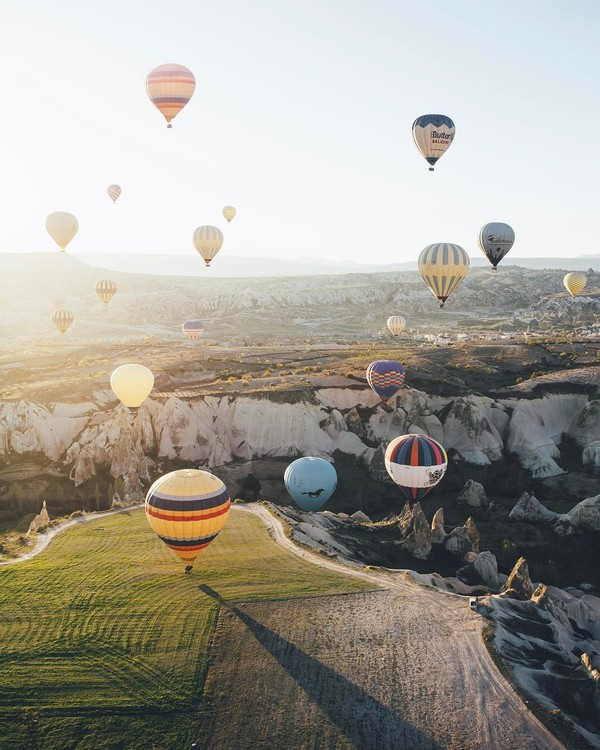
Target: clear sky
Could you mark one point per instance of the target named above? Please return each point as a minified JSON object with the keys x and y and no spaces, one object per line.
{"x":302,"y":120}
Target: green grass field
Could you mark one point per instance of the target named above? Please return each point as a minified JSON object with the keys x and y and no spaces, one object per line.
{"x":104,"y":642}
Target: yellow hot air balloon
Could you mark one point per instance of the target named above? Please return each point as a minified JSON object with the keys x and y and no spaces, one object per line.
{"x":132,"y":384}
{"x":187,"y":509}
{"x":62,"y":227}
{"x":229,"y":213}
{"x":442,"y":267}
{"x":396,"y":324}
{"x":114,"y":191}
{"x":62,"y":319}
{"x":208,"y":241}
{"x":170,"y":87}
{"x":575,"y":283}
{"x":106,"y":290}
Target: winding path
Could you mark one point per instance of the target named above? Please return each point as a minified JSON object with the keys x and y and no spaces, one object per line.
{"x":443,"y":645}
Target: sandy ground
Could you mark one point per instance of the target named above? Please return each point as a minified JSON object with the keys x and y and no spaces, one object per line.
{"x":401,"y":668}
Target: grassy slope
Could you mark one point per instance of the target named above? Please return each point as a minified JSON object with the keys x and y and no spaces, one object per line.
{"x":103,"y":641}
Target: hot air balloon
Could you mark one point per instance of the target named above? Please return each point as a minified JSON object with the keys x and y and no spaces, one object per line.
{"x":187,"y":508}
{"x":208,"y":241}
{"x":193,"y":329}
{"x":416,"y":463}
{"x":495,"y":240}
{"x":114,"y":191}
{"x":442,"y":267}
{"x":385,"y":376}
{"x":310,"y":482}
{"x":575,"y":283}
{"x":229,"y":213}
{"x":433,"y":135}
{"x":62,"y":227}
{"x":62,"y":319}
{"x":170,"y":87}
{"x":132,"y":384}
{"x":106,"y":290}
{"x":396,"y":324}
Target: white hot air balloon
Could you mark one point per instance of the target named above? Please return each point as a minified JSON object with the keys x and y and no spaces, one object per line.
{"x":229,"y":213}
{"x":114,"y":191}
{"x":132,"y":384}
{"x":495,"y":240}
{"x":208,"y":241}
{"x":62,"y":227}
{"x":396,"y":324}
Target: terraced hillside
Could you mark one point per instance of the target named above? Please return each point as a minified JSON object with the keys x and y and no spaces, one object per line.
{"x":104,"y":643}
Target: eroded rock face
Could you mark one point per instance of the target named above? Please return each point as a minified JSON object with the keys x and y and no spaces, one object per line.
{"x":469,"y":432}
{"x":41,"y":520}
{"x":354,"y":423}
{"x":473,"y":495}
{"x":529,"y":508}
{"x":585,"y":516}
{"x":438,"y":533}
{"x":415,"y":531}
{"x":486,"y":566}
{"x":473,"y":533}
{"x":458,"y":543}
{"x":591,"y":456}
{"x":518,"y":585}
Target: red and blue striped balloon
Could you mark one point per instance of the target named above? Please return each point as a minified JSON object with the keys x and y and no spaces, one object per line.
{"x":385,"y":376}
{"x":416,"y":463}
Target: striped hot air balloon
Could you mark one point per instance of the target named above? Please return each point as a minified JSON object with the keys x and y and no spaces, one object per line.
{"x":416,"y":463}
{"x":208,"y":241}
{"x":575,"y":283}
{"x":433,"y":136}
{"x":396,"y":324}
{"x":62,"y":227}
{"x":170,"y":87}
{"x":114,"y":191}
{"x":187,"y":509}
{"x":62,"y":319}
{"x":385,"y":376}
{"x":193,"y":329}
{"x":442,"y":267}
{"x":229,"y":213}
{"x":106,"y":290}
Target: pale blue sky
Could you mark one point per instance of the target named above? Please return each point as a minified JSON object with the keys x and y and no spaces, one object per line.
{"x":302,"y":120}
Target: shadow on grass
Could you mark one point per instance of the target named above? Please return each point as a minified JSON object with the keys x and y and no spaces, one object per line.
{"x":366,"y":722}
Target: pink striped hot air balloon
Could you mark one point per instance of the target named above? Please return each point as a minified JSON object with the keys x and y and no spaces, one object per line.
{"x":170,"y":87}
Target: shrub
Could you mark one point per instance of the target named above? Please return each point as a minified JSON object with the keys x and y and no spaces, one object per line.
{"x":267,"y":373}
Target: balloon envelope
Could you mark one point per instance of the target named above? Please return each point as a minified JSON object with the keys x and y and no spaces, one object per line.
{"x":442,"y":267}
{"x":187,"y":509}
{"x":170,"y":87}
{"x":106,"y":290}
{"x":208,"y":241}
{"x":433,"y":136}
{"x":62,"y":227}
{"x":575,"y":283}
{"x":62,"y":319}
{"x":396,"y":324}
{"x":114,"y":191}
{"x":385,"y":376}
{"x":495,"y":240}
{"x":310,"y":482}
{"x":193,"y":329}
{"x":132,"y":384}
{"x":229,"y":212}
{"x":416,"y":463}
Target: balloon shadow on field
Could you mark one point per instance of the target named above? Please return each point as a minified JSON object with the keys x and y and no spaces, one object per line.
{"x":366,"y":722}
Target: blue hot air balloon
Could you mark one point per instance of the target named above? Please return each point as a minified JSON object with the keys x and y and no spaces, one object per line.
{"x":310,"y":482}
{"x":385,"y":377}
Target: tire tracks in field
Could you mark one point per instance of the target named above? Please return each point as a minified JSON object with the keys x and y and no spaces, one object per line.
{"x":446,"y":627}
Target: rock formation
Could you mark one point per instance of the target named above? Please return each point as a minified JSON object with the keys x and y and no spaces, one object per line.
{"x":40,"y":521}
{"x":438,"y":533}
{"x":473,"y":495}
{"x":584,"y":517}
{"x":529,"y":508}
{"x":473,"y":533}
{"x":458,"y":543}
{"x":486,"y":567}
{"x":414,"y":531}
{"x":518,"y":585}
{"x":591,"y":456}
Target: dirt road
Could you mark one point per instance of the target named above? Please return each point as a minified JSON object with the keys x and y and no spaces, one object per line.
{"x":402,"y":668}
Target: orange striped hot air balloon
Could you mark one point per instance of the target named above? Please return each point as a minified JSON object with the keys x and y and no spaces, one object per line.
{"x":62,"y":319}
{"x":187,"y":509}
{"x":170,"y":87}
{"x":114,"y":191}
